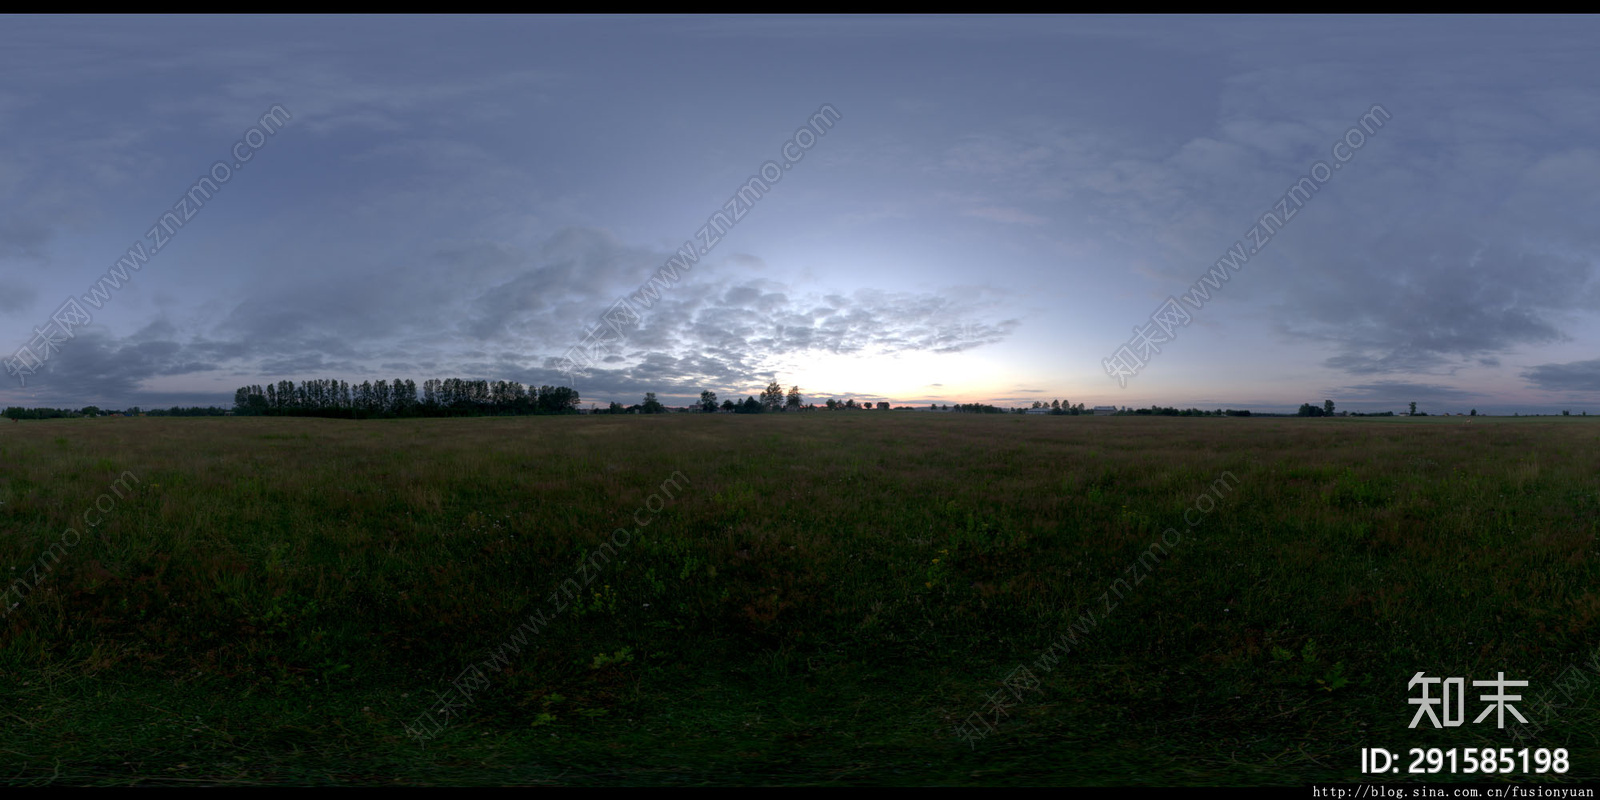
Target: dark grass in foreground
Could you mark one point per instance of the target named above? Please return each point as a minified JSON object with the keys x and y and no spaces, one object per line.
{"x":810,"y":598}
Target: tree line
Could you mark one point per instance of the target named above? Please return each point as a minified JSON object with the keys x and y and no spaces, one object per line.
{"x":18,"y":412}
{"x":773,"y":399}
{"x":1059,"y":408}
{"x":1169,"y":411}
{"x":459,"y":397}
{"x":451,"y":397}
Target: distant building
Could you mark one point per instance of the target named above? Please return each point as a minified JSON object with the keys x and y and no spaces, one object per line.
{"x":1098,"y":410}
{"x":1038,"y":410}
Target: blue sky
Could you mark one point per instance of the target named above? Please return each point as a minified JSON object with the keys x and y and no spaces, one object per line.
{"x":991,"y":209}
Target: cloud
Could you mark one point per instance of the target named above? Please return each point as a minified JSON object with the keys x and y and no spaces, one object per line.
{"x":1400,"y":392}
{"x":1433,"y":302}
{"x":94,"y":366}
{"x":21,"y":238}
{"x":1007,"y":215}
{"x":16,"y":296}
{"x":1573,"y":376}
{"x":1458,"y":233}
{"x":488,"y":310}
{"x":737,"y":331}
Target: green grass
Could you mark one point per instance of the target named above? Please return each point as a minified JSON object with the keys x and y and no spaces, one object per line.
{"x":813,"y":599}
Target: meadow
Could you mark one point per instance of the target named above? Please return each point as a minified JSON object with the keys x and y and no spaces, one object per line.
{"x":813,"y":598}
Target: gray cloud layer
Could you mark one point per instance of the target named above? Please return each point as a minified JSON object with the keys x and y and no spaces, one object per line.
{"x":1576,"y":376}
{"x":492,"y":311}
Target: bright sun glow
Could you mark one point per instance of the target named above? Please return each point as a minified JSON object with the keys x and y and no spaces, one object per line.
{"x":902,"y":379}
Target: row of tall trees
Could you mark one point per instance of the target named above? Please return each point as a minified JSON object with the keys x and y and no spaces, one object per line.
{"x":451,"y":397}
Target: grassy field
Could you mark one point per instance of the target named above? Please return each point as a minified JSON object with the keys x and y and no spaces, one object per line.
{"x":851,"y":598}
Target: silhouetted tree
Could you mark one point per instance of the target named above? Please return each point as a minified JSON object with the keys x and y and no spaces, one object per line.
{"x":772,"y":397}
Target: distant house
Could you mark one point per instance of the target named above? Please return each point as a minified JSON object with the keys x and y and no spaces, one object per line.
{"x":1038,"y":410}
{"x":1098,"y":410}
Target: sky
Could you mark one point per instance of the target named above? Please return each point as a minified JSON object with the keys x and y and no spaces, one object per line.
{"x":1212,"y":212}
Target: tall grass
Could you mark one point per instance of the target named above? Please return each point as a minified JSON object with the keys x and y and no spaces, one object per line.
{"x":821,"y":596}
